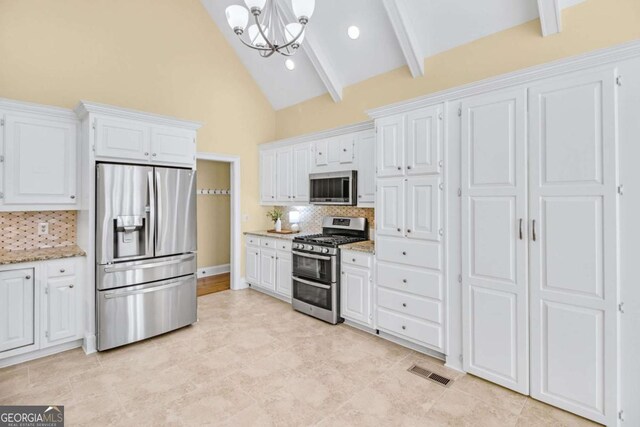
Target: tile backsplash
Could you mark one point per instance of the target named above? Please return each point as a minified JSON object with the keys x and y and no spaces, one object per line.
{"x":311,"y":216}
{"x":19,"y":230}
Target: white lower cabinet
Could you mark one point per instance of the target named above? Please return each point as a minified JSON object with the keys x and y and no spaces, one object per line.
{"x":356,"y":282}
{"x":269,"y":265}
{"x":41,"y":305}
{"x":17,"y":308}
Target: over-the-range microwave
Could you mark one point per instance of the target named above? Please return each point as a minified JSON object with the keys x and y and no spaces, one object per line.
{"x":333,"y":188}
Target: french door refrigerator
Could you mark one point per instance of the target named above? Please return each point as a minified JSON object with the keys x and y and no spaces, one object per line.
{"x":145,"y":252}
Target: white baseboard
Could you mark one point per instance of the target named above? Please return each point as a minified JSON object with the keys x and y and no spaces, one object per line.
{"x":242,"y":285}
{"x":89,"y":344}
{"x":213,"y":270}
{"x":25,"y":357}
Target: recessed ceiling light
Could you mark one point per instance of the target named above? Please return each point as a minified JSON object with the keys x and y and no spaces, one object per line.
{"x":290,"y":64}
{"x":353,"y":32}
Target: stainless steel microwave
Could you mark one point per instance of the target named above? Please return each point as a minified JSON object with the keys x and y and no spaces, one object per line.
{"x":333,"y":188}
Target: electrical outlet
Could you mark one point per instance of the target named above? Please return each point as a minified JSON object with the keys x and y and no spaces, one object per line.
{"x":43,"y":228}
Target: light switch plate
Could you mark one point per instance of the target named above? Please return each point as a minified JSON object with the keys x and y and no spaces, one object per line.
{"x":43,"y":228}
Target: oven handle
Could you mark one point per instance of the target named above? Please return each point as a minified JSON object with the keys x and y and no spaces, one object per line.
{"x":323,"y":258}
{"x":306,"y":282}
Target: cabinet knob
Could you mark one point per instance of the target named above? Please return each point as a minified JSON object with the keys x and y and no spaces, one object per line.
{"x":398,"y":230}
{"x":408,"y":230}
{"x":404,"y":327}
{"x":62,"y":270}
{"x":28,"y":277}
{"x":353,"y":260}
{"x":72,"y":196}
{"x":320,"y":153}
{"x":71,"y":286}
{"x":344,"y":149}
{"x":399,"y":168}
{"x":408,"y":167}
{"x":146,"y":154}
{"x":404,"y":304}
{"x":154,"y":154}
{"x":404,"y":280}
{"x":359,"y":196}
{"x":404,"y":253}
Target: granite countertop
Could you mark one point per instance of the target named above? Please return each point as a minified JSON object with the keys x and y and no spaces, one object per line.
{"x":276,"y":235}
{"x":366,"y":246}
{"x":15,"y":257}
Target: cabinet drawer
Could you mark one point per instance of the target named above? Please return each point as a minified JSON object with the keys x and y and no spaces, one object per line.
{"x":268,"y":243}
{"x":283,"y":245}
{"x":408,"y":279}
{"x":61,"y":268}
{"x":411,"y":328}
{"x":359,"y":259}
{"x":403,"y":251}
{"x":253,"y":241}
{"x":410,"y":304}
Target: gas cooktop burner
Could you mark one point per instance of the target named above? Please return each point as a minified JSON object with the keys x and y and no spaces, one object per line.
{"x":332,"y":240}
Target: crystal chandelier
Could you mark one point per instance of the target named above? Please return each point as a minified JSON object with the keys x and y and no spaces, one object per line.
{"x":270,"y":34}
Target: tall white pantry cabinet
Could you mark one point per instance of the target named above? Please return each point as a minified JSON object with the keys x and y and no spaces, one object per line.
{"x":533,"y":275}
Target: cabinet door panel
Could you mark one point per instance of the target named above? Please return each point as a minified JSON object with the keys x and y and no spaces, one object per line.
{"x":366,"y":158}
{"x":284,"y":267}
{"x":122,"y":139}
{"x":390,"y":207}
{"x":16,"y":306}
{"x":62,"y":309}
{"x":494,"y":253}
{"x":300,"y":179}
{"x":40,"y":161}
{"x":572,"y":198}
{"x":268,"y":269}
{"x":391,"y":145}
{"x":268,"y":176}
{"x":424,"y":138}
{"x":175,"y":146}
{"x":346,"y":147}
{"x":283,"y":175}
{"x":423,"y":208}
{"x":321,"y":154}
{"x":355,"y":294}
{"x":252,"y":266}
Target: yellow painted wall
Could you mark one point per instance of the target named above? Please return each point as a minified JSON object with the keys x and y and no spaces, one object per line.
{"x":213,"y":215}
{"x":160,"y":56}
{"x":588,"y":26}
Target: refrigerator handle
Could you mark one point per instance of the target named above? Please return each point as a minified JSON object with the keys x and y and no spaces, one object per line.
{"x":151,"y":214}
{"x":157,"y":208}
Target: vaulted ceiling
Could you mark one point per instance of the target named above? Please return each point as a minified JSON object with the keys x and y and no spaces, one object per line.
{"x":393,"y":33}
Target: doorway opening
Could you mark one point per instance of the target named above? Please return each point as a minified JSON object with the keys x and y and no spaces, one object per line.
{"x":218,"y":200}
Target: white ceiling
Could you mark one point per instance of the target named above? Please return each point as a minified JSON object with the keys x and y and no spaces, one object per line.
{"x":438,"y":25}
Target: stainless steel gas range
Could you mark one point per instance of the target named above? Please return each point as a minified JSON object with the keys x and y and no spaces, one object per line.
{"x":316,"y":266}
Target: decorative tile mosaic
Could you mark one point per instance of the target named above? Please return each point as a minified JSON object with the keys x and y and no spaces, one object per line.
{"x":19,"y":230}
{"x":311,"y":216}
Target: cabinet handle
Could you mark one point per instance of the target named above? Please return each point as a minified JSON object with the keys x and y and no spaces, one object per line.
{"x":404,"y":304}
{"x":520,"y":232}
{"x":62,"y":270}
{"x":72,"y":196}
{"x":71,"y":286}
{"x":28,"y":277}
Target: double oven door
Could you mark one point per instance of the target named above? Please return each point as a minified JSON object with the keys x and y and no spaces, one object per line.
{"x":315,"y":285}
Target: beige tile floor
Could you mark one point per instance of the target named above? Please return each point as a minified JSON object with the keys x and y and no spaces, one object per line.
{"x":251,"y":360}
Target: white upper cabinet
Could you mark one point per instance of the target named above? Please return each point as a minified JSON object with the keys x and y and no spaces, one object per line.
{"x":268,"y":177}
{"x":122,"y":139}
{"x":366,"y":159}
{"x":300,"y":173}
{"x":335,"y":153}
{"x":284,"y":166}
{"x":173,"y":145}
{"x":138,"y":137}
{"x":391,"y":144}
{"x":40,"y":161}
{"x":346,"y":149}
{"x":424,"y":128}
{"x":410,"y":144}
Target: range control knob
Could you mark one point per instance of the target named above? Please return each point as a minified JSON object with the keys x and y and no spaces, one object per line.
{"x":309,"y":248}
{"x":325,"y":250}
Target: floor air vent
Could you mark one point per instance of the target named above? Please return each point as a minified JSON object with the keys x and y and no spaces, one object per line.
{"x":424,"y":373}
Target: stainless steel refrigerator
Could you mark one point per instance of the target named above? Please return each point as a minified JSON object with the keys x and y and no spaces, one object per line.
{"x":145,"y":252}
